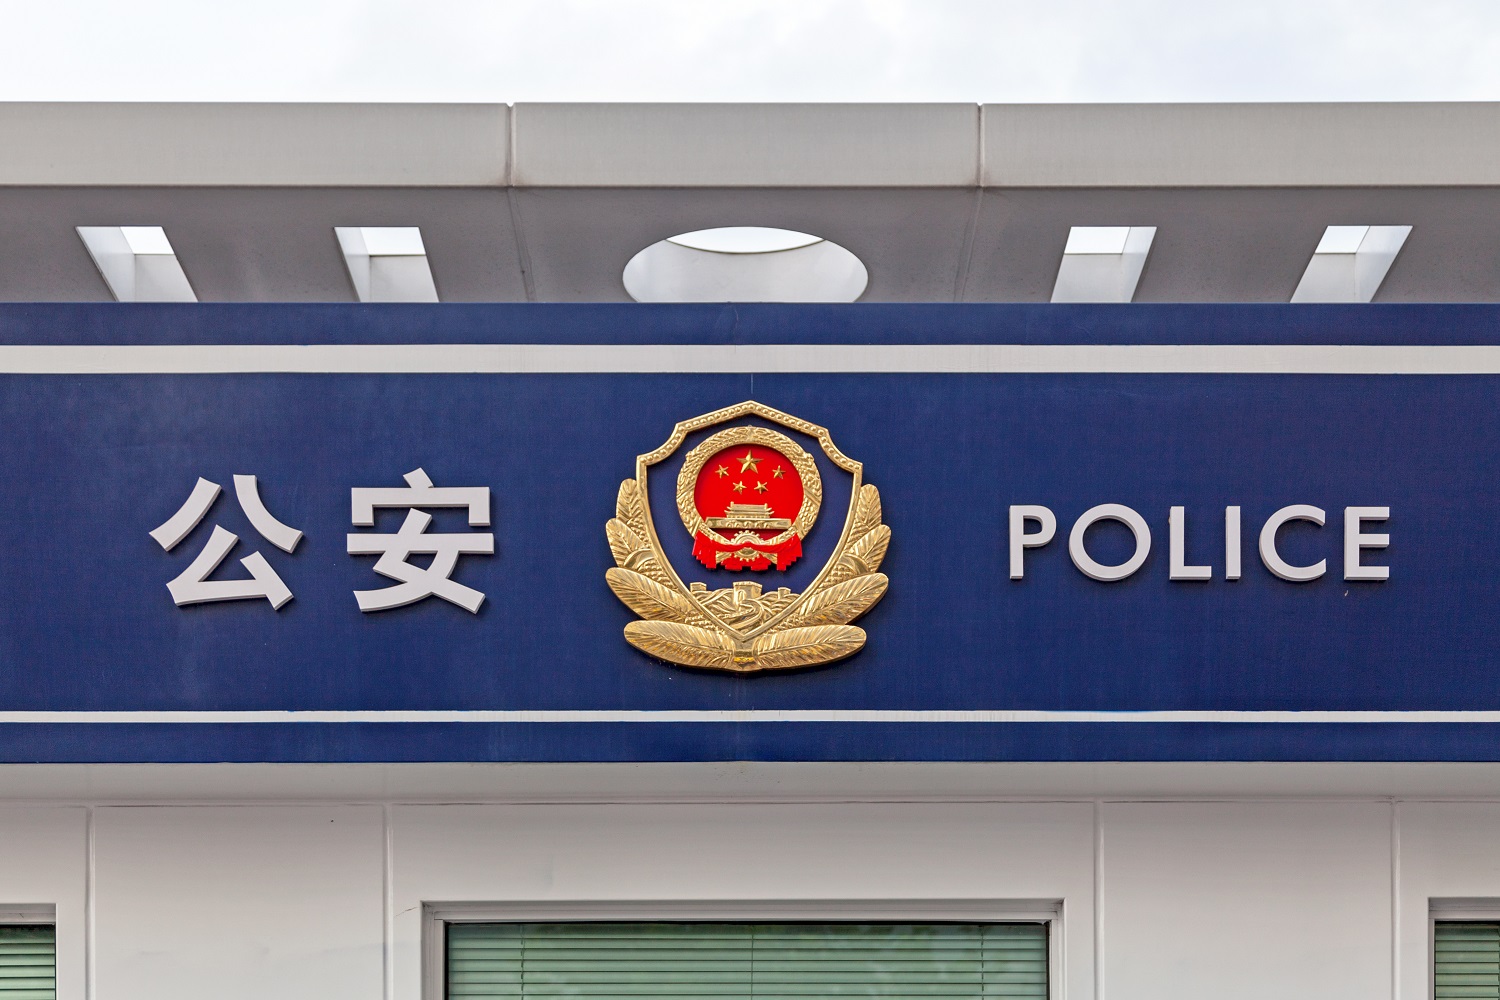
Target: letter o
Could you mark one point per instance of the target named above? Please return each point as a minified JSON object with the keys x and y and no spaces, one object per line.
{"x":1109,"y":512}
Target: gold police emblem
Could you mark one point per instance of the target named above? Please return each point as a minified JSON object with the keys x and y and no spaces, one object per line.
{"x":748,"y":495}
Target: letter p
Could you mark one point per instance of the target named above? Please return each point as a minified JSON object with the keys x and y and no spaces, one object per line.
{"x":1021,"y":540}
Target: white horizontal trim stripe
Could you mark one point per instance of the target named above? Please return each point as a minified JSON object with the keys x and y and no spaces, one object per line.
{"x":1330,"y":359}
{"x":746,"y":715}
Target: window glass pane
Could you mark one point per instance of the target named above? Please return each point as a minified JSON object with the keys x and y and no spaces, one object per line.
{"x":624,"y":961}
{"x":28,"y":962}
{"x":1466,"y":960}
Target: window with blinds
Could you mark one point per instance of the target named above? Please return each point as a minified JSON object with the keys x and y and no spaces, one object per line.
{"x":633,"y":961}
{"x":28,"y":962}
{"x":1466,"y":959}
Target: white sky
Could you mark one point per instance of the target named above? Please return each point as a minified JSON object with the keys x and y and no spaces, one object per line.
{"x":749,"y":50}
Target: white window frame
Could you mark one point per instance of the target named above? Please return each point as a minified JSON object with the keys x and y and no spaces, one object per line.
{"x":436,"y":916}
{"x":1454,"y":910}
{"x":33,"y":915}
{"x":44,"y":914}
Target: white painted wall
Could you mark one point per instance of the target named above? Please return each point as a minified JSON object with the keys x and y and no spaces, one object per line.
{"x":238,"y":902}
{"x":1322,"y":898}
{"x":1245,"y":900}
{"x":44,"y":860}
{"x":1446,"y":851}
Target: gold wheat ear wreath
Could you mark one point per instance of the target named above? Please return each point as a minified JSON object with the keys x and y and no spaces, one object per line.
{"x":740,"y":629}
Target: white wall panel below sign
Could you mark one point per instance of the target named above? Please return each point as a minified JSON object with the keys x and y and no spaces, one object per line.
{"x":1246,"y":900}
{"x":239,"y":903}
{"x":43,"y":866}
{"x":1448,"y":861}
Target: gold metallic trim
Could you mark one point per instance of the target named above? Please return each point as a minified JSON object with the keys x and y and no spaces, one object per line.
{"x":747,"y":524}
{"x":740,"y":629}
{"x":748,"y":408}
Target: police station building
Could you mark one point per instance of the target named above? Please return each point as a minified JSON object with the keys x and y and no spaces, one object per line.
{"x":796,"y":551}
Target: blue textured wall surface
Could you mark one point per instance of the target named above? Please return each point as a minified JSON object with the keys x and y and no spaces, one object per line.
{"x":93,"y":462}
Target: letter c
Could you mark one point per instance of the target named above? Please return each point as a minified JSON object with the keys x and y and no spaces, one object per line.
{"x":1272,"y":558}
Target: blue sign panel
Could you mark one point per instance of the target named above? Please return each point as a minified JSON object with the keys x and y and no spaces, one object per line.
{"x":1141,"y":533}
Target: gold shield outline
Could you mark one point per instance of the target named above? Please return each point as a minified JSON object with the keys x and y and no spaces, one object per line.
{"x":740,"y":629}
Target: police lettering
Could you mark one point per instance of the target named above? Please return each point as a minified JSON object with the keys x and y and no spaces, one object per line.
{"x":1033,"y":526}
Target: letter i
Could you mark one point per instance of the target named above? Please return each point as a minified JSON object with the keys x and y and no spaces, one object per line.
{"x":1231,"y":543}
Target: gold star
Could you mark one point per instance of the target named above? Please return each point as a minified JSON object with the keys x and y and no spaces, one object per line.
{"x":749,"y":463}
{"x":777,"y":473}
{"x":739,"y":487}
{"x":761,"y":487}
{"x":721,"y":472}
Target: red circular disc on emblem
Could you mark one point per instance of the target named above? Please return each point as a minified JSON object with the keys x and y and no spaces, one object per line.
{"x":749,"y":495}
{"x":745,"y":484}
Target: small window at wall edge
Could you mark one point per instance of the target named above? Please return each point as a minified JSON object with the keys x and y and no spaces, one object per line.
{"x":1464,"y":948}
{"x":28,"y":952}
{"x":1001,"y":950}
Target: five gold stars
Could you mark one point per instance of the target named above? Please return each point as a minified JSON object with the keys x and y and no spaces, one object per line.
{"x":750,"y":463}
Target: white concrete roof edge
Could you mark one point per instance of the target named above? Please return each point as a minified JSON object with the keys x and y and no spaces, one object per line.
{"x":1437,"y":144}
{"x":752,"y":145}
{"x":253,"y":145}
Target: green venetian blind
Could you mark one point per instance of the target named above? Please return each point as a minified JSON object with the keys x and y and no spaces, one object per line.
{"x":1466,"y":960}
{"x":631,"y":961}
{"x":28,"y":962}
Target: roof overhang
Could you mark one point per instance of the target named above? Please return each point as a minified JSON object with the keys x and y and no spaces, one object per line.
{"x":942,"y":202}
